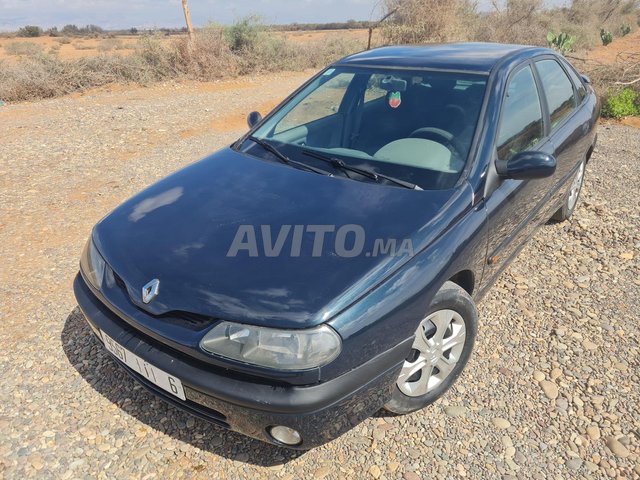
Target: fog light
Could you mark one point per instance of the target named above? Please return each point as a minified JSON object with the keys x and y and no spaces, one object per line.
{"x":285,"y":435}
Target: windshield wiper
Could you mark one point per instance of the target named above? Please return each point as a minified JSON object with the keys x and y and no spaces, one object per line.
{"x":286,"y":160}
{"x":337,"y":163}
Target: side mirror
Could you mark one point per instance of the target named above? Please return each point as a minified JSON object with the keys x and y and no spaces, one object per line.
{"x":253,"y":119}
{"x":527,"y":165}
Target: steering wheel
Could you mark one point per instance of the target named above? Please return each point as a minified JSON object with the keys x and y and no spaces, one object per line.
{"x":440,"y":136}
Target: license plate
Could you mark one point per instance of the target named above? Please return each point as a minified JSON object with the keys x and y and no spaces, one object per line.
{"x":152,"y":373}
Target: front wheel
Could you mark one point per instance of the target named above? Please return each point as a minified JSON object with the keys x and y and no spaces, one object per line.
{"x":441,"y":348}
{"x":571,"y":201}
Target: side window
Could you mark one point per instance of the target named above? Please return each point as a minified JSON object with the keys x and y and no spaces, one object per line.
{"x":374,"y":91}
{"x":521,"y":126}
{"x":558,"y":90}
{"x":324,"y":101}
{"x":580,"y":90}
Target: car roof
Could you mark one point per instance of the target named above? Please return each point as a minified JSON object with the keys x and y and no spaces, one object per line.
{"x":468,"y":57}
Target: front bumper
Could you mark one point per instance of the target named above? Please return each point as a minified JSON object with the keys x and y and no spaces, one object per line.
{"x":319,"y":412}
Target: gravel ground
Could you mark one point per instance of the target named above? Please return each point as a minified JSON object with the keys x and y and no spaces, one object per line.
{"x":552,"y":390}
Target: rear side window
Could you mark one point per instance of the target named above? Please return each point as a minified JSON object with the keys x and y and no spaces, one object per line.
{"x":580,"y":90}
{"x":558,"y":90}
{"x":521,"y":126}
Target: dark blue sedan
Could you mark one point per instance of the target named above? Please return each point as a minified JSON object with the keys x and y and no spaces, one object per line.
{"x":329,"y":262}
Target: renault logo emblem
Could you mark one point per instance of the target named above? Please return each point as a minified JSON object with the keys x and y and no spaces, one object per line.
{"x":150,"y":290}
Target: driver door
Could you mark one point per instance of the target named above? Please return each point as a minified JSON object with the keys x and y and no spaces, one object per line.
{"x":514,"y":206}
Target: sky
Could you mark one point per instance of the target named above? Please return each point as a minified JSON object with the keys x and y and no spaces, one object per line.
{"x":115,"y":14}
{"x":124,"y":14}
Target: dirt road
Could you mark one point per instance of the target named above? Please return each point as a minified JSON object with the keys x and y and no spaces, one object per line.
{"x":552,"y":390}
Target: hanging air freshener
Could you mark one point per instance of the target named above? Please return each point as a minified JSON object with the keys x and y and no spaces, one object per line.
{"x":395,"y":99}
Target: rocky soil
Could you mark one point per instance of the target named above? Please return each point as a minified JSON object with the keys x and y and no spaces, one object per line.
{"x":552,"y":390}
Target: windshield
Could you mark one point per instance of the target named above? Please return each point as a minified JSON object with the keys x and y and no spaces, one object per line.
{"x":414,"y":126}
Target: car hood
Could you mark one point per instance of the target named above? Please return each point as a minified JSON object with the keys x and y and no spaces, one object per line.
{"x":180,"y":231}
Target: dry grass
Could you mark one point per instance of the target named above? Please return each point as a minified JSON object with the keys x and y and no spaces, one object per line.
{"x":23,"y":48}
{"x":109,"y":44}
{"x":209,"y":57}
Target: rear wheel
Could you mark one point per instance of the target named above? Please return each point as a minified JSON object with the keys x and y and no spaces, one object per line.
{"x":441,"y":348}
{"x":571,"y":201}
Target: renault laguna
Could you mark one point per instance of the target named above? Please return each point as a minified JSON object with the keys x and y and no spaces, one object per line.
{"x":328,"y":263}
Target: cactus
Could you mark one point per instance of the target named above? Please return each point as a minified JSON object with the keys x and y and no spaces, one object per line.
{"x":625,"y":29}
{"x":562,"y":43}
{"x":606,"y":37}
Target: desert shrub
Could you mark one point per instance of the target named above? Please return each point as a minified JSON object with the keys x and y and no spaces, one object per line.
{"x":606,"y":37}
{"x":208,"y":57}
{"x":563,"y":43}
{"x":517,"y":21}
{"x":70,"y":30}
{"x":423,"y":21}
{"x":244,"y":34}
{"x":155,"y":58}
{"x":272,"y":53}
{"x":625,"y":30}
{"x":32,"y":78}
{"x":126,"y":46}
{"x":63,"y":40}
{"x":109,"y":44}
{"x":624,"y":103}
{"x":508,"y":21}
{"x":30,"y":31}
{"x":81,"y":46}
{"x":328,"y":50}
{"x":23,"y":48}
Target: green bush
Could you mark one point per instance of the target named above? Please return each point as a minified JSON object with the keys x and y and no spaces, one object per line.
{"x":606,"y":37}
{"x":30,"y":31}
{"x":624,"y":103}
{"x":563,"y":42}
{"x":625,"y":30}
{"x":244,"y":34}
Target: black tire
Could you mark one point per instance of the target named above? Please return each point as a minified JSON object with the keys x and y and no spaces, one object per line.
{"x":569,"y":205}
{"x":449,"y":297}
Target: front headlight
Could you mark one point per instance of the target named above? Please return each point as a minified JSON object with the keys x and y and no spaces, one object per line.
{"x":92,"y":264}
{"x":272,"y":347}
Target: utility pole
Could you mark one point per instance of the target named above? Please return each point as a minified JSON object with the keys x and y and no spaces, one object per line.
{"x":187,"y":17}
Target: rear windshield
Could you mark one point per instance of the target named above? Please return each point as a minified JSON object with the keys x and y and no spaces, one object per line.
{"x":413,"y":125}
